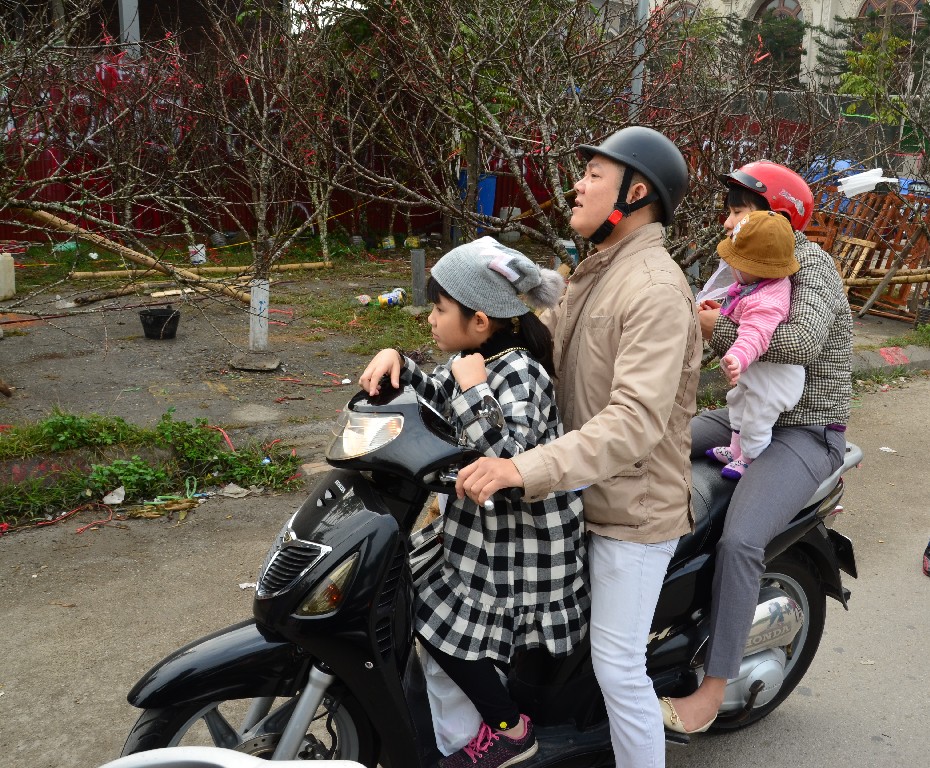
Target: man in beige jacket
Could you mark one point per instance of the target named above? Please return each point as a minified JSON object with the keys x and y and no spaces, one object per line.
{"x":627,"y":350}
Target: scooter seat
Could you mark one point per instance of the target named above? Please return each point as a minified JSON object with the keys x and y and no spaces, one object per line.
{"x":711,"y":493}
{"x":710,"y":497}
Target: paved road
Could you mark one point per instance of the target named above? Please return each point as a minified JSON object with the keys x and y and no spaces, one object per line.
{"x":83,"y":615}
{"x":864,"y":702}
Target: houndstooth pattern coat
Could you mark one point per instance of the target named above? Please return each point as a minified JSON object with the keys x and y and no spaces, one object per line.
{"x":515,"y":577}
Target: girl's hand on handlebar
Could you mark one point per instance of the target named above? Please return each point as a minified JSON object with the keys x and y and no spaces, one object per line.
{"x":387,"y":362}
{"x":483,"y":478}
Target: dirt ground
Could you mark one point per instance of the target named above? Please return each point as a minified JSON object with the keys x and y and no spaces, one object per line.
{"x":99,"y":361}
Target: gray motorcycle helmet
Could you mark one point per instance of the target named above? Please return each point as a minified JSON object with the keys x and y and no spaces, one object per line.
{"x":653,"y":155}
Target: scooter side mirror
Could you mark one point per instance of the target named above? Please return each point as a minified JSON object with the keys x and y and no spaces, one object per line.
{"x":491,"y":411}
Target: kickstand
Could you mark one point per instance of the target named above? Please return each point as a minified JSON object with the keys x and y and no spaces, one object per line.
{"x":737,"y":717}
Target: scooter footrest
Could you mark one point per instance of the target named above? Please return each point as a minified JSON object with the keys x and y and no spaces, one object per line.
{"x":677,"y":738}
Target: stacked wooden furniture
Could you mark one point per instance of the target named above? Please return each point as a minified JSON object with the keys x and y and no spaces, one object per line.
{"x":878,"y":238}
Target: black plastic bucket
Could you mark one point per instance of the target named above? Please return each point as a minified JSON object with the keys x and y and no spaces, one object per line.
{"x":160,"y":322}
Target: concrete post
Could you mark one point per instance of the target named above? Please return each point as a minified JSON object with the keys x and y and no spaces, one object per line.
{"x":129,"y":25}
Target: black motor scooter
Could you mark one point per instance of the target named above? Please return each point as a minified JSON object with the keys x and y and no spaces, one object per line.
{"x":326,"y":669}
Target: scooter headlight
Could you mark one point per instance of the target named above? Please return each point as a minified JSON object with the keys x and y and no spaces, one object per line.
{"x":356,"y":434}
{"x":328,"y":595}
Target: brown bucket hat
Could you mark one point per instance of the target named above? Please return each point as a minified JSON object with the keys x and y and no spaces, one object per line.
{"x":762,"y":244}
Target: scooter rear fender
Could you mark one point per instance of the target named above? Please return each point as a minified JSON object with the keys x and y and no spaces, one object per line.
{"x":240,"y":661}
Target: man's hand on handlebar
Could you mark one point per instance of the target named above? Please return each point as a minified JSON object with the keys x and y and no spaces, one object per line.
{"x":483,"y":478}
{"x":387,"y":362}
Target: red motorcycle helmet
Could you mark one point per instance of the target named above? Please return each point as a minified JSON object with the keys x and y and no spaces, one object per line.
{"x":783,"y":189}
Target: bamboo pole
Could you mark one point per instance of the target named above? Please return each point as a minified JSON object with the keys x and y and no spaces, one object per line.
{"x":897,"y":279}
{"x":134,"y":256}
{"x":922,"y":272}
{"x":241,"y":270}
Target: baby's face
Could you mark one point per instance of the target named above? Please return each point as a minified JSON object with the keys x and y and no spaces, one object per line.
{"x":744,"y":278}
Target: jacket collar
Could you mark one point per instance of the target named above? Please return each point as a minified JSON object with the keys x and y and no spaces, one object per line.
{"x":648,"y":236}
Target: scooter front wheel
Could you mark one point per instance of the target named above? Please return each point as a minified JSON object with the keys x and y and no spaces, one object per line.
{"x":340,"y":730}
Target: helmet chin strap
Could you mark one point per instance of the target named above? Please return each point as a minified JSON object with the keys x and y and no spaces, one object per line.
{"x":621,"y":208}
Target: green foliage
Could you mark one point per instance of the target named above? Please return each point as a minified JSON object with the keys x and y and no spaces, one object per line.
{"x":920,"y":337}
{"x":201,"y":453}
{"x":779,"y":40}
{"x":870,"y":79}
{"x":64,"y":431}
{"x":196,"y":456}
{"x":138,"y":477}
{"x":34,"y":499}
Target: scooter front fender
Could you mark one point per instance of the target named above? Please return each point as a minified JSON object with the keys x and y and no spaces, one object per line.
{"x":240,"y":661}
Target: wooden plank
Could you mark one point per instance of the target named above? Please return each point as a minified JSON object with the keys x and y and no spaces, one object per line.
{"x":134,"y":256}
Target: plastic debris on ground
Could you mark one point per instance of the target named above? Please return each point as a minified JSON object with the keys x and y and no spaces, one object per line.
{"x":394,"y":298}
{"x":115,"y":497}
{"x":234,"y":491}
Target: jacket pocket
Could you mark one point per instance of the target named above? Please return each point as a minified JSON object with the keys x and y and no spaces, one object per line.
{"x":599,"y":324}
{"x":637,"y":470}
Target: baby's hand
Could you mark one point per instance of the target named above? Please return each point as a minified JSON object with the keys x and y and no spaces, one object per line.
{"x":731,"y":367}
{"x":386,"y":362}
{"x":469,"y":371}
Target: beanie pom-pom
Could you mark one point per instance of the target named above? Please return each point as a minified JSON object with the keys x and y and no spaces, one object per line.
{"x":550,"y":289}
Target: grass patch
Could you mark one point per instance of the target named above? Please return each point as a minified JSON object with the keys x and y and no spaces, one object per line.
{"x":374,"y":327}
{"x":870,"y":381}
{"x":179,"y":457}
{"x":711,"y":399}
{"x":919,"y":336}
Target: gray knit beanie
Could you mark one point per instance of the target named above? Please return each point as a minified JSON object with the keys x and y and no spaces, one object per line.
{"x":487,"y":276}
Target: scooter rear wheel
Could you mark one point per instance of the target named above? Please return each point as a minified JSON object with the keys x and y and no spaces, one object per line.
{"x":339,"y":731}
{"x":793,"y":573}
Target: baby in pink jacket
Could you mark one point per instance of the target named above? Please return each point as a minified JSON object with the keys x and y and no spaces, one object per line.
{"x":760,"y":252}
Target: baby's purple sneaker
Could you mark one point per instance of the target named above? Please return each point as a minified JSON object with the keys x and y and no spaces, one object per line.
{"x":734,"y":470}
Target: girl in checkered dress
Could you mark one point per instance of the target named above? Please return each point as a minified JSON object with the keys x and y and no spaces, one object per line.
{"x":512,"y":578}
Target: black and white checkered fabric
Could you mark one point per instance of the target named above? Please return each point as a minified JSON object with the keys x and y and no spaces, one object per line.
{"x":817,"y":335}
{"x":515,"y":577}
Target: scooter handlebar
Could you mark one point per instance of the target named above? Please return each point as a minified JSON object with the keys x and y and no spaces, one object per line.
{"x":513,"y":495}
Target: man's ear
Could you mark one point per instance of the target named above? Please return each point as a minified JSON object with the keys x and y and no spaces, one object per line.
{"x":637,"y":192}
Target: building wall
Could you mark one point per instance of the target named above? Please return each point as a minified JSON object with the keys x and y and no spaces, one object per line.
{"x":819,"y":13}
